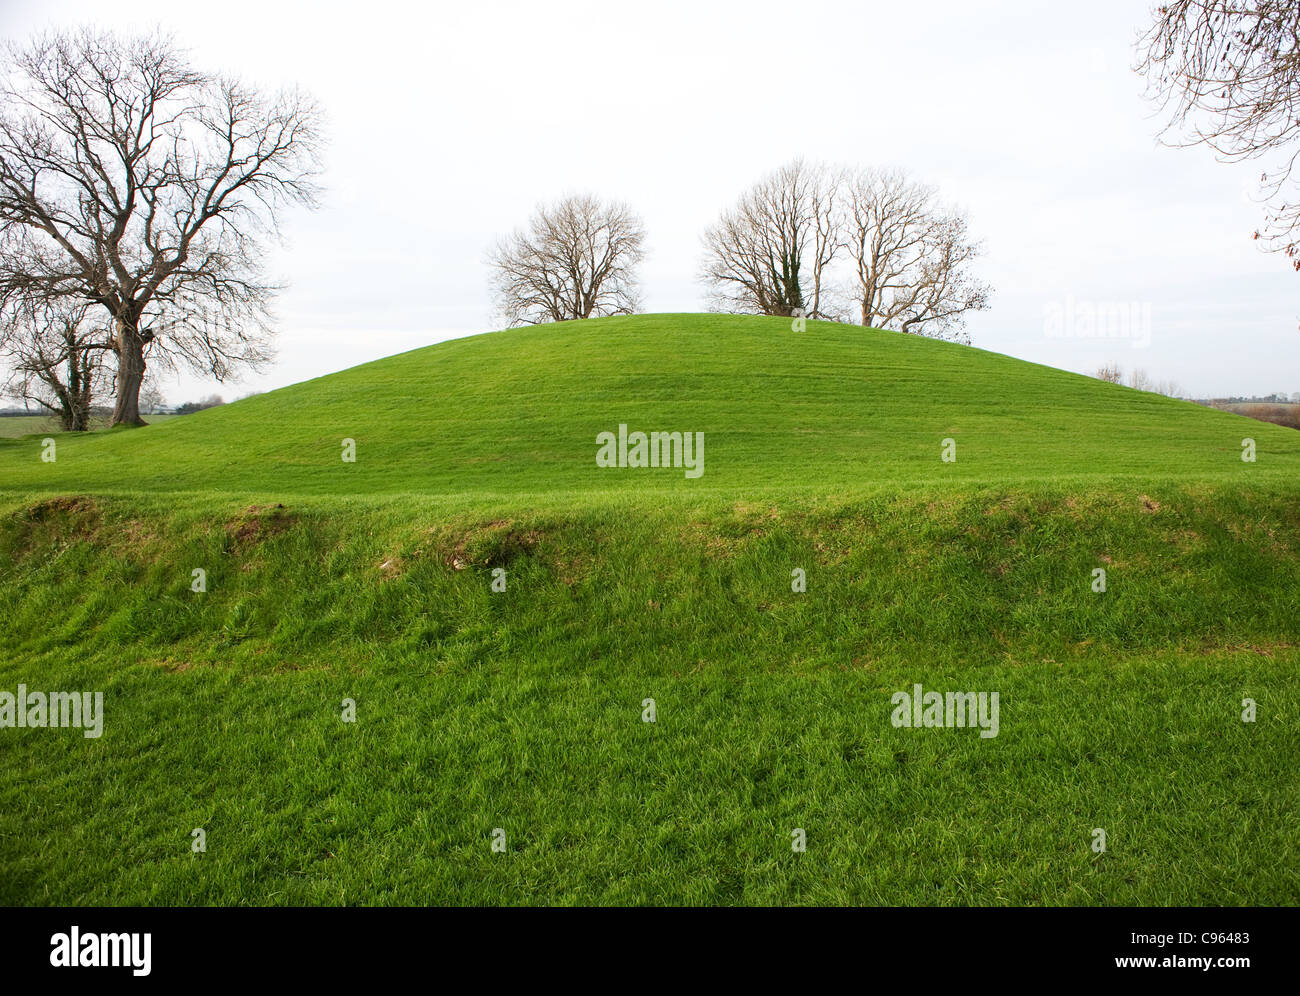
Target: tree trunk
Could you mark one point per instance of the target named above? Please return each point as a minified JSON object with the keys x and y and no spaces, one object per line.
{"x":80,"y":420}
{"x":76,"y":400}
{"x":130,"y":375}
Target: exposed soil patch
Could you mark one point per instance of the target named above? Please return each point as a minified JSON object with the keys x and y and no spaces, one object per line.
{"x":258,"y":523}
{"x":71,"y":508}
{"x":492,"y":544}
{"x":573,"y":570}
{"x":59,"y":520}
{"x":722,"y":538}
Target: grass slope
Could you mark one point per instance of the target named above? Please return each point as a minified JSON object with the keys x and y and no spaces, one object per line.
{"x":522,"y":709}
{"x":518,"y":412}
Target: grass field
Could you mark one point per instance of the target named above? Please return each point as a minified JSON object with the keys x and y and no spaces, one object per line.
{"x":17,"y":426}
{"x":523,"y":709}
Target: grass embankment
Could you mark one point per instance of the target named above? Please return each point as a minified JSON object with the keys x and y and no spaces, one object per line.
{"x":523,"y":709}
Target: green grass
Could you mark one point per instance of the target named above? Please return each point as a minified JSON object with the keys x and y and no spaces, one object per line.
{"x":523,"y":709}
{"x":517,"y":412}
{"x":17,"y":426}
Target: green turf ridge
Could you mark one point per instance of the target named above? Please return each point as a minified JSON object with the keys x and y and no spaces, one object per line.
{"x":523,"y":709}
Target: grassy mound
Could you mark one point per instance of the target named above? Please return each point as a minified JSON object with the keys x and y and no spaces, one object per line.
{"x":518,"y":412}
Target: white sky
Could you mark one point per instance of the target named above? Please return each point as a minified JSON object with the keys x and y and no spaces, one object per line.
{"x":449,"y":122}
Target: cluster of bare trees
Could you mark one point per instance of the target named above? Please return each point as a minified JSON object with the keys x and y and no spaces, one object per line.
{"x":807,"y":240}
{"x":1139,"y":380}
{"x":906,"y":256}
{"x":136,"y":194}
{"x":1227,"y":73}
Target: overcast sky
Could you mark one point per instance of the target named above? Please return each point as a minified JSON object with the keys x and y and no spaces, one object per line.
{"x":449,"y":122}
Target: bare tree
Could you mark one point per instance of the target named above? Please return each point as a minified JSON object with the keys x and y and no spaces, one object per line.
{"x":1228,"y":74}
{"x":770,"y":253}
{"x":134,"y":182}
{"x":1110,"y":373}
{"x":151,"y":395}
{"x":1140,"y":380}
{"x":910,"y":257}
{"x":56,"y":358}
{"x":576,"y":259}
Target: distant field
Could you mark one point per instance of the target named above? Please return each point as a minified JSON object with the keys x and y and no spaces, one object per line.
{"x":15,"y":426}
{"x":523,"y":709}
{"x":1277,"y":413}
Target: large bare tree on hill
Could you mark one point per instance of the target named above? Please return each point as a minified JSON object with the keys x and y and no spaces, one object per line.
{"x":138,"y":184}
{"x":768,"y":254}
{"x":909,"y":256}
{"x":576,"y":259}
